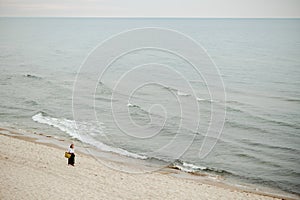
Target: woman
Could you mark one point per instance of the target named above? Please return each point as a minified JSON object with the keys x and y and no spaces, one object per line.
{"x":71,"y":160}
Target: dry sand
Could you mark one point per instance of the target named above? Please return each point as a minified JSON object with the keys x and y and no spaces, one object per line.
{"x":31,"y":170}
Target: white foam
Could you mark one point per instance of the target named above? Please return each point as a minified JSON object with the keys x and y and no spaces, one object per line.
{"x":199,"y":99}
{"x":184,"y":169}
{"x":129,"y":105}
{"x":192,"y":166}
{"x":72,"y":129}
{"x":187,"y":167}
{"x":182,"y":94}
{"x":208,"y":100}
{"x":132,"y":105}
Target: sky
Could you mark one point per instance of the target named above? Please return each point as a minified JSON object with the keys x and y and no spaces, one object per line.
{"x":152,"y":8}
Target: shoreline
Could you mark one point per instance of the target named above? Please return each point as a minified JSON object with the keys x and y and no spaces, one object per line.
{"x":166,"y":173}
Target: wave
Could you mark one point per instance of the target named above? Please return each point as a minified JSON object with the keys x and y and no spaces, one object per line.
{"x":105,"y":99}
{"x":72,"y":128}
{"x":169,"y":88}
{"x":235,"y":109}
{"x":179,"y":93}
{"x":206,"y":100}
{"x":103,"y":89}
{"x":139,"y":111}
{"x":182,"y":93}
{"x":284,"y":98}
{"x":17,"y":108}
{"x":280,"y":123}
{"x":235,"y":102}
{"x":132,"y":105}
{"x":246,"y":127}
{"x":277,"y":122}
{"x":32,"y":76}
{"x":293,"y":100}
{"x":257,"y":144}
{"x":31,"y":102}
{"x":199,"y":170}
{"x":191,"y":168}
{"x":258,"y":160}
{"x":262,"y":118}
{"x":187,"y":167}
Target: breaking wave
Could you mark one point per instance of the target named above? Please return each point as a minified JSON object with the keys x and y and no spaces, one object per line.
{"x":92,"y":129}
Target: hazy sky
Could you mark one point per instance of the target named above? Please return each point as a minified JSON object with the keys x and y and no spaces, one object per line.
{"x":152,"y":8}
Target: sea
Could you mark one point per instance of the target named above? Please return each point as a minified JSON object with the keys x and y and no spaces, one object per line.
{"x":151,"y":103}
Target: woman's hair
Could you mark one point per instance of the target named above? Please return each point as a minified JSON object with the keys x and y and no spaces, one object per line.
{"x":71,"y":145}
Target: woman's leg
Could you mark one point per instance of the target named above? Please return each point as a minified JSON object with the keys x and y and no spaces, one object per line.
{"x":72,"y":159}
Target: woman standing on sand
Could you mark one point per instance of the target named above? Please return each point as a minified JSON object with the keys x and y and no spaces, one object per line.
{"x":71,"y":160}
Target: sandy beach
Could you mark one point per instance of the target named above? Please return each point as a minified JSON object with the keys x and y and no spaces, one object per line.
{"x":162,"y":100}
{"x":31,"y":170}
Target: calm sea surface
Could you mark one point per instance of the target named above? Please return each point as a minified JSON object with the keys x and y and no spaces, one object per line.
{"x":258,"y":61}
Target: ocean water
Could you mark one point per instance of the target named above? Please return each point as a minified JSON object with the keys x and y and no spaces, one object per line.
{"x":258,"y":61}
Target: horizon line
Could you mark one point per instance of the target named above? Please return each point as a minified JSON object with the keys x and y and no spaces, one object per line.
{"x":149,"y":17}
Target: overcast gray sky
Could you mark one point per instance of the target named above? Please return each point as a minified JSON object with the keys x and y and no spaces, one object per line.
{"x":152,"y":8}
